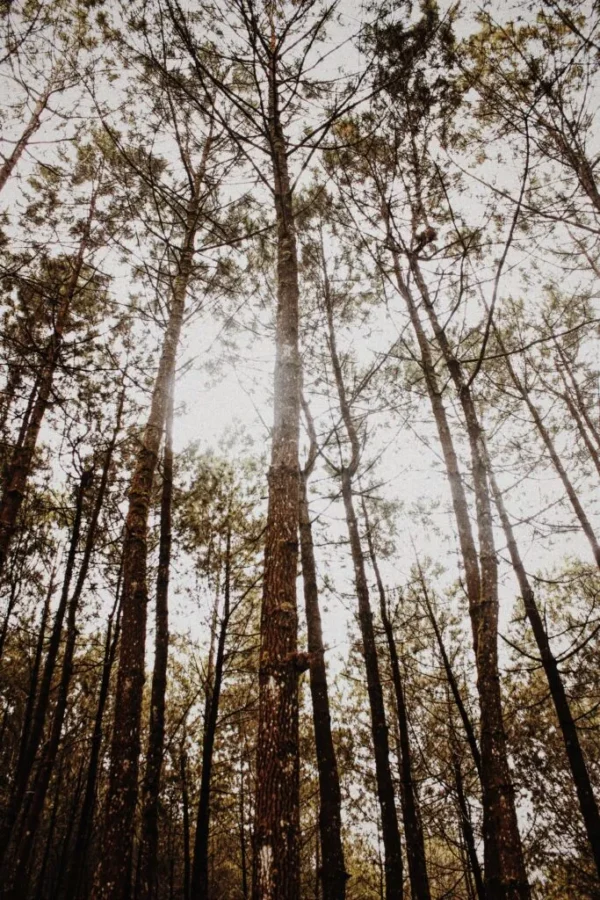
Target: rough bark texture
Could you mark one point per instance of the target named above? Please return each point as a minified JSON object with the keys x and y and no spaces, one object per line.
{"x":577,"y":763}
{"x":276,"y":874}
{"x":199,"y":883}
{"x":113,"y":876}
{"x":154,"y":757}
{"x":413,"y":831}
{"x":332,"y":871}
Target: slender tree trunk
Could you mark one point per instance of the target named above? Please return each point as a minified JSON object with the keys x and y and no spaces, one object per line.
{"x":452,"y":683}
{"x":21,"y":462}
{"x":467,"y":828}
{"x":50,"y":835}
{"x":34,"y":732}
{"x":581,"y":404}
{"x":44,"y":773}
{"x":332,"y":871}
{"x":113,"y":876}
{"x":505,"y":874}
{"x":577,"y":763}
{"x":86,"y":817}
{"x":154,"y":756}
{"x":543,"y":432}
{"x":413,"y":830}
{"x":187,"y":863}
{"x":276,"y":869}
{"x":379,"y":728}
{"x":199,"y":882}
{"x":242,"y":814}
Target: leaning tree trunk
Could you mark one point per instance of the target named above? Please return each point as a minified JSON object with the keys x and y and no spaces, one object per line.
{"x":29,"y":130}
{"x":151,"y":790}
{"x":113,"y":875}
{"x":413,"y":830}
{"x":199,"y":881}
{"x":505,"y":874}
{"x":333,"y":871}
{"x":577,"y":763}
{"x":276,"y":870}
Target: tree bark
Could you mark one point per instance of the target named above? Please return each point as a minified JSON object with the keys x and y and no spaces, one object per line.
{"x":413,"y":830}
{"x":200,"y":880}
{"x":30,"y":129}
{"x":113,"y":875}
{"x":332,"y":871}
{"x":154,"y":755}
{"x":574,"y":751}
{"x":276,"y":868}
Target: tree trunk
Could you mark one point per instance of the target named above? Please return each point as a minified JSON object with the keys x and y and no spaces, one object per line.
{"x":89,"y":798}
{"x":30,"y":129}
{"x":32,"y":733}
{"x":187,"y":866}
{"x":577,"y":763}
{"x":505,"y":874}
{"x":276,"y":869}
{"x":413,"y":831}
{"x":44,"y":773}
{"x":332,"y":871}
{"x":379,"y":728}
{"x":467,"y":828}
{"x":199,"y":883}
{"x":113,"y":876}
{"x":154,"y":756}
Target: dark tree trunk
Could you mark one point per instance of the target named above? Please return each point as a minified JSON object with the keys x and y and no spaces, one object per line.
{"x":577,"y":763}
{"x":413,"y":830}
{"x":86,"y":817}
{"x":199,"y":882}
{"x":276,"y":869}
{"x":467,"y":828}
{"x":154,"y":756}
{"x":32,"y":734}
{"x":29,"y":130}
{"x":505,"y":874}
{"x":332,"y":870}
{"x":112,"y":880}
{"x":379,"y":728}
{"x":187,"y":862}
{"x":44,"y":773}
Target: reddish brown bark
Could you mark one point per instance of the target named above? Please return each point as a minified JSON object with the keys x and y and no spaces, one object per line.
{"x":32,"y":126}
{"x":276,"y":869}
{"x":113,"y":876}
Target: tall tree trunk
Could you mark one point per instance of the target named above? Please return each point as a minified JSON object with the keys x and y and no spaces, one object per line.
{"x":199,"y":882}
{"x":413,"y":830}
{"x":154,"y":756}
{"x":505,"y":874}
{"x":21,"y":462}
{"x":577,"y":763}
{"x":33,"y":732}
{"x":86,"y":817}
{"x":185,"y":801}
{"x":44,"y":773}
{"x":276,"y":870}
{"x":332,"y":870}
{"x":379,"y":728}
{"x":113,"y":876}
{"x":467,"y":826}
{"x":581,"y":404}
